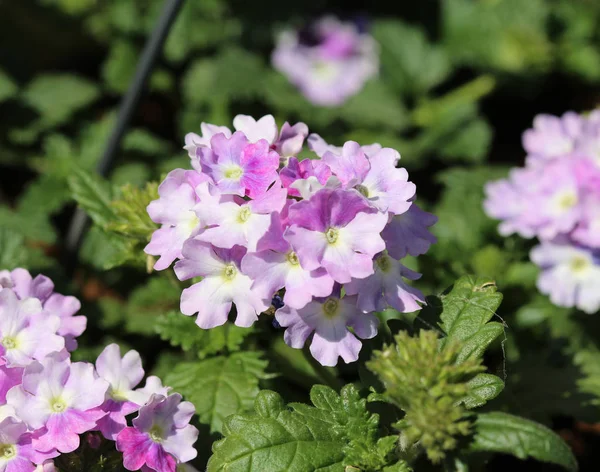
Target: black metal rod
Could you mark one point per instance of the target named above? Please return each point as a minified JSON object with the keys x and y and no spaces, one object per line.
{"x":152,"y":50}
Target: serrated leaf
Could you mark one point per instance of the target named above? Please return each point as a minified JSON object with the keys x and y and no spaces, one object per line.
{"x":93,"y":195}
{"x":482,"y":388}
{"x":466,"y":311}
{"x":220,"y":386}
{"x":57,"y":96}
{"x":106,"y":251}
{"x":508,"y":434}
{"x":181,"y":330}
{"x":300,"y":437}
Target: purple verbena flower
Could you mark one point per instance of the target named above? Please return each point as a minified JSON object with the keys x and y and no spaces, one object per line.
{"x":26,"y":331}
{"x":9,"y":377}
{"x":239,"y":167}
{"x":242,"y":223}
{"x":329,"y":319}
{"x":16,"y":451}
{"x":387,"y":287}
{"x":336,"y":230}
{"x":161,"y":435}
{"x":551,"y":136}
{"x":174,"y":210}
{"x":570,"y":275}
{"x":62,"y":398}
{"x":319,"y":146}
{"x":223,"y":284}
{"x":408,"y":233}
{"x":122,"y":375}
{"x":330,"y":63}
{"x":303,"y":170}
{"x":194,"y":143}
{"x":272,"y":271}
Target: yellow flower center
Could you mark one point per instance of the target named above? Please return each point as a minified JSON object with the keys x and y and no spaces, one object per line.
{"x":292,"y":258}
{"x":9,"y":342}
{"x":332,"y":235}
{"x":230,"y":272}
{"x":244,"y":214}
{"x":330,"y":307}
{"x":566,"y":201}
{"x":57,"y":405}
{"x":7,"y":451}
{"x":363,"y":190}
{"x":156,"y":434}
{"x":233,"y":173}
{"x":579,"y":264}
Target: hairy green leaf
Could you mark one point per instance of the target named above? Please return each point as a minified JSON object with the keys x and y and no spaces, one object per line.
{"x":509,"y":434}
{"x":482,"y":388}
{"x":219,"y":386}
{"x":94,"y":195}
{"x":336,"y":432}
{"x":181,"y":330}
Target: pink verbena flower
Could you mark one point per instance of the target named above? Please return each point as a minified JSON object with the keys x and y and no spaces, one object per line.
{"x":328,"y":62}
{"x":174,"y":210}
{"x":408,"y":233}
{"x":122,"y":375}
{"x":9,"y":377}
{"x":329,"y":319}
{"x":319,"y":146}
{"x":376,"y":177}
{"x":161,"y":435}
{"x":272,"y":271}
{"x":303,"y":170}
{"x":387,"y":287}
{"x":239,"y":167}
{"x":242,"y":223}
{"x":65,"y":307}
{"x":552,"y":137}
{"x":194,"y":143}
{"x":223,"y":284}
{"x":26,"y":331}
{"x":337,"y":230}
{"x":570,"y":275}
{"x":60,"y":397}
{"x":16,"y":451}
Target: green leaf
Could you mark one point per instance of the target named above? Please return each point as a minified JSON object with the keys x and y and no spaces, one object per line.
{"x":12,"y":249}
{"x":119,"y":67}
{"x":58,"y":96}
{"x":147,"y":303}
{"x":106,"y":251}
{"x":131,"y":217}
{"x":8,"y":88}
{"x":375,"y":106}
{"x":220,"y":386}
{"x":508,"y":434}
{"x":470,"y":143}
{"x":408,"y":58}
{"x":460,"y":233}
{"x":466,"y":311}
{"x":482,"y":388}
{"x":336,"y":432}
{"x":182,"y":331}
{"x":94,"y":195}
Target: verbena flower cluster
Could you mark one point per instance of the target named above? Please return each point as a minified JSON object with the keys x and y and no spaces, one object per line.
{"x":326,"y":233}
{"x":328,"y":61}
{"x":47,"y":401}
{"x":556,"y":198}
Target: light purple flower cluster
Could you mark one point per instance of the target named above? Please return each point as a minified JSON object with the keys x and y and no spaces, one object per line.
{"x":328,"y":61}
{"x":253,"y":221}
{"x":556,"y":198}
{"x":47,"y":401}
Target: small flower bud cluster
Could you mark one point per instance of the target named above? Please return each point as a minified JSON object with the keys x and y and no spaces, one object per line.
{"x":254,"y":221}
{"x":328,"y":61}
{"x":47,"y":401}
{"x":556,"y":198}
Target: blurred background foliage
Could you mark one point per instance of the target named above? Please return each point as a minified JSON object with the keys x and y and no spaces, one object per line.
{"x":460,"y":80}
